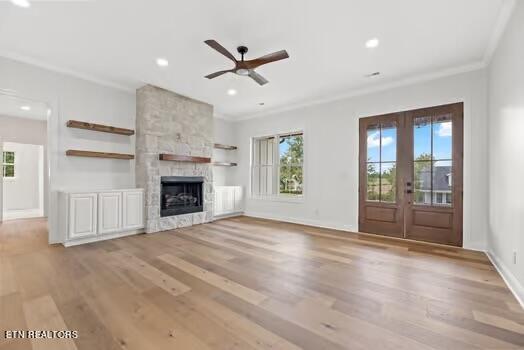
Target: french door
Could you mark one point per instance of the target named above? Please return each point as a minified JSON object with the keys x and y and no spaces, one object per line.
{"x":411,"y":174}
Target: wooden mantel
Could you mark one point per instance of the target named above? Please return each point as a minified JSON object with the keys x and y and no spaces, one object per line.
{"x":180,"y":158}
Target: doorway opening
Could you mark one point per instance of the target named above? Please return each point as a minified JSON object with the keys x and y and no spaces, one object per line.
{"x":24,"y":181}
{"x":410,"y":174}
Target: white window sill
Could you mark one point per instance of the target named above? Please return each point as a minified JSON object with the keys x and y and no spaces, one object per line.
{"x":279,"y":198}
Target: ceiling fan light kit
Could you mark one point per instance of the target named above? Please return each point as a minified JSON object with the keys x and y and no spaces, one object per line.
{"x":243,"y":67}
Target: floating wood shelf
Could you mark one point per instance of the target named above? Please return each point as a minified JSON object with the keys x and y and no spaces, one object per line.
{"x":77,"y":153}
{"x":99,"y":127}
{"x":179,"y":158}
{"x":224,"y":164}
{"x":226,"y":147}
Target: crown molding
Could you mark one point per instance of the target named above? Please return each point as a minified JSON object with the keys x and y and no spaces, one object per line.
{"x":373,"y":89}
{"x":70,"y":72}
{"x":503,"y":18}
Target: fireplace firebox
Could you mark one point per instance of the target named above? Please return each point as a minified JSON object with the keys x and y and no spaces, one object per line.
{"x":181,"y":195}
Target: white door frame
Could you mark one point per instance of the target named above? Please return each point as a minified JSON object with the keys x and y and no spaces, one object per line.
{"x":1,"y":180}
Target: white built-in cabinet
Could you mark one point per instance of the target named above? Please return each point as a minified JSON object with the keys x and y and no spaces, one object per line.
{"x":229,"y":200}
{"x":93,"y":216}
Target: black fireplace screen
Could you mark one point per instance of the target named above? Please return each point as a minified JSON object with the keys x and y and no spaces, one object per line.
{"x":181,"y":195}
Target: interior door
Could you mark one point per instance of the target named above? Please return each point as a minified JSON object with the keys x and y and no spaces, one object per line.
{"x":381,"y":203}
{"x":411,"y":174}
{"x":434,"y":181}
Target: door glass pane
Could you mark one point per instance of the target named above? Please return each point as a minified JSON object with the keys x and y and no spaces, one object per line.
{"x":373,"y":144}
{"x":389,"y":143}
{"x":373,"y":191}
{"x":388,"y":182}
{"x":442,"y":137}
{"x":422,"y":138}
{"x":442,"y":182}
{"x":422,"y":182}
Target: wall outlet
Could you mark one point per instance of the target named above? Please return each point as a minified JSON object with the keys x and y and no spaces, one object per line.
{"x":514,"y":257}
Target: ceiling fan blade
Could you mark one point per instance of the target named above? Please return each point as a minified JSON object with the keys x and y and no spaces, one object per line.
{"x":217,"y":74}
{"x":258,"y":78}
{"x":215,"y":45}
{"x":272,"y":57}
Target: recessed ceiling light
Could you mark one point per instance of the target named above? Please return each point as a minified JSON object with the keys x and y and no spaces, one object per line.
{"x":21,"y":3}
{"x":162,"y":62}
{"x":372,"y":43}
{"x":25,"y":108}
{"x":231,"y":92}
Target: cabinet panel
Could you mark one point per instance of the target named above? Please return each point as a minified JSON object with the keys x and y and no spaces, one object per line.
{"x":109,"y":212}
{"x":133,"y":212}
{"x":239,"y":199}
{"x":82,"y":215}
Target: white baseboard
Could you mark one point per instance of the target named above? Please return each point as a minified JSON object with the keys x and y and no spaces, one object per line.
{"x":101,"y":238}
{"x":511,"y":281}
{"x":316,"y":223}
{"x":229,"y":215}
{"x":22,"y":214}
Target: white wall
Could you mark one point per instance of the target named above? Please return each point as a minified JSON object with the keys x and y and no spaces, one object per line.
{"x":23,"y":191}
{"x":224,"y":133}
{"x":73,"y":98}
{"x":331,"y":152}
{"x":506,"y":164}
{"x":27,"y":131}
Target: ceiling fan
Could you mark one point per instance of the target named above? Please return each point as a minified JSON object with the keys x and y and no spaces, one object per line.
{"x":245,"y":68}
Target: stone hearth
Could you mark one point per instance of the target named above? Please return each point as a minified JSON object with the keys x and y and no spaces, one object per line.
{"x":170,"y":123}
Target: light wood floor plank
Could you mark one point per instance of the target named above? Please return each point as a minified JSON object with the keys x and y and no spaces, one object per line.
{"x":244,"y":284}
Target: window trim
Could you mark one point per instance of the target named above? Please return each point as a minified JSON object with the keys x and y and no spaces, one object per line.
{"x":278,"y":197}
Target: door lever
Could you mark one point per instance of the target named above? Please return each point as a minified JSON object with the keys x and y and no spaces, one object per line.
{"x":409,"y":191}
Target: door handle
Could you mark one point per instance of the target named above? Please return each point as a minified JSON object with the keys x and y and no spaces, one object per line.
{"x":409,"y":191}
{"x":408,"y":184}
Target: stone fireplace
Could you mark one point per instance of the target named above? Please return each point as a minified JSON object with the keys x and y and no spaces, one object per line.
{"x":177,"y":194}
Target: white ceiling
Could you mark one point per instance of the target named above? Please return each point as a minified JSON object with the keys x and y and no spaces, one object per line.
{"x":119,"y":40}
{"x":11,"y":106}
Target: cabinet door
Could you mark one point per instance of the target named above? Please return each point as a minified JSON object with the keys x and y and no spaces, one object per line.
{"x":109,"y":212}
{"x":82,"y":215}
{"x":239,"y":200}
{"x":229,"y":200}
{"x":219,"y":207}
{"x":133,"y":210}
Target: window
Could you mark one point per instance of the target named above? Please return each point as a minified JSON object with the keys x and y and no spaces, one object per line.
{"x":277,"y":165}
{"x":8,"y":164}
{"x":382,"y":163}
{"x":433,"y":162}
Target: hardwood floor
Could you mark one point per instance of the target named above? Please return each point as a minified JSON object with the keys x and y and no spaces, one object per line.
{"x":245,"y":283}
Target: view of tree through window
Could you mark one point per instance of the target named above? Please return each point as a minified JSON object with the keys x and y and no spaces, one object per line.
{"x":8,"y":164}
{"x":291,"y":155}
{"x":381,"y":163}
{"x":433,"y":170}
{"x":277,"y":165}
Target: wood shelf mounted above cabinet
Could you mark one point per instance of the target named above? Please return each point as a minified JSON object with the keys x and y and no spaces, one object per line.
{"x":78,"y":153}
{"x":99,"y":127}
{"x":226,"y":147}
{"x":224,"y":164}
{"x":180,"y":158}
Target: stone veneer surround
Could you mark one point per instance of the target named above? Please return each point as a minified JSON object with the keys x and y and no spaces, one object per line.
{"x":170,"y":123}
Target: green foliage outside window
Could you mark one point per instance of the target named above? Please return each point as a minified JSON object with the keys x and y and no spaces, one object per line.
{"x":8,"y":164}
{"x":291,"y":159}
